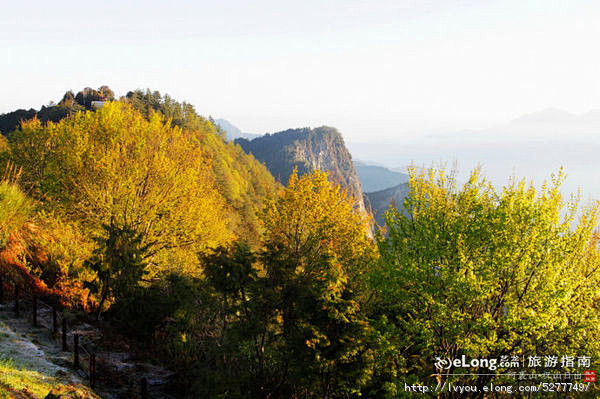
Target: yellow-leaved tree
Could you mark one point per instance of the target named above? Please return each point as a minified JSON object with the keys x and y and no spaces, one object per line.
{"x":292,"y":319}
{"x":312,"y":218}
{"x":317,"y":248}
{"x":114,"y":166}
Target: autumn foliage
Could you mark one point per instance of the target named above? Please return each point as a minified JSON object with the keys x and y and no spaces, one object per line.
{"x":141,"y":214}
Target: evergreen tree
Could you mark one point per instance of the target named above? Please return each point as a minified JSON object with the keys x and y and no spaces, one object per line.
{"x":119,"y":263}
{"x":290,"y":308}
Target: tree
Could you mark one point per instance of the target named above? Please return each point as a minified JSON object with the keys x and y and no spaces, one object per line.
{"x":312,"y":218}
{"x":290,"y":308}
{"x":106,"y":92}
{"x":247,"y":347}
{"x":68,"y":99}
{"x":317,"y":249}
{"x":115,"y":165}
{"x":476,"y":272}
{"x":3,"y":151}
{"x":118,"y":261}
{"x":240,"y":178}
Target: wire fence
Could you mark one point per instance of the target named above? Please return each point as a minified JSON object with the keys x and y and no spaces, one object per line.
{"x":84,"y":356}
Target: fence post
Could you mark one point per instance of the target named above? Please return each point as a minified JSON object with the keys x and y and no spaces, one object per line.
{"x":34,"y":310}
{"x":144,"y":388}
{"x":64,"y":333}
{"x":76,"y":350}
{"x":92,"y":370}
{"x":54,"y":326}
{"x":16,"y":300}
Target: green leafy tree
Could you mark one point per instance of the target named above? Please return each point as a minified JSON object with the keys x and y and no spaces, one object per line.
{"x":247,"y":347}
{"x":483,"y":273}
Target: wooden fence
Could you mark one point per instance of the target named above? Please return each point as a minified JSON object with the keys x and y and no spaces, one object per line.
{"x":84,"y":359}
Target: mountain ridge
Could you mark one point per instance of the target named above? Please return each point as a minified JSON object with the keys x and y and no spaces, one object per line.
{"x":306,"y":150}
{"x":377,"y":177}
{"x":232,"y":131}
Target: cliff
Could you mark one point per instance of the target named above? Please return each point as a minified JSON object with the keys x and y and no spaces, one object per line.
{"x":322,"y":148}
{"x":380,"y":201}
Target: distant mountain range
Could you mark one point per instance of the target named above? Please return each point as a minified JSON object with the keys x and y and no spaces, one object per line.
{"x":533,"y":146}
{"x":376,"y":178}
{"x":555,"y":116}
{"x":233,"y":132}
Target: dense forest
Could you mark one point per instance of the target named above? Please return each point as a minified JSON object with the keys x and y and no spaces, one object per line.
{"x":141,"y":215}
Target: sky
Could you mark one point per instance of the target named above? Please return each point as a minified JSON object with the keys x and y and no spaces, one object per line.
{"x":378,"y":70}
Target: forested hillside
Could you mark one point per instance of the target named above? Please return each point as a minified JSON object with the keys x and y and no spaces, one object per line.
{"x":241,"y":180}
{"x":69,"y":104}
{"x":137,"y":215}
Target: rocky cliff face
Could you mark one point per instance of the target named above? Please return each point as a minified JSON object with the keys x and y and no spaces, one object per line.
{"x":380,"y":201}
{"x":307,"y":149}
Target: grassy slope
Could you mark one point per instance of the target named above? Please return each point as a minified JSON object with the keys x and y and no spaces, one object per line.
{"x":30,"y":362}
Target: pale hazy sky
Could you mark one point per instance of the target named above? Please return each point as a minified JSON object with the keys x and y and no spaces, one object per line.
{"x":374,"y":69}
